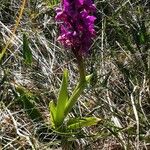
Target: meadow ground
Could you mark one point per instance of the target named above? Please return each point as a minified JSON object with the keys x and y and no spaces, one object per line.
{"x":119,"y":93}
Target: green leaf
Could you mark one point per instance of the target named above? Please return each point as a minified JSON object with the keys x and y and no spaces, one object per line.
{"x":75,"y":95}
{"x":27,"y":100}
{"x":77,"y":123}
{"x":53,"y":3}
{"x":62,"y":100}
{"x":27,"y":54}
{"x":52,"y":110}
{"x":142,"y":38}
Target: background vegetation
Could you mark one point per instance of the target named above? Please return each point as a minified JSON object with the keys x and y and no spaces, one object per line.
{"x":119,"y":93}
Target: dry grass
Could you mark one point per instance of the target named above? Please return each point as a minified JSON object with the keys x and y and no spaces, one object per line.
{"x":119,"y":93}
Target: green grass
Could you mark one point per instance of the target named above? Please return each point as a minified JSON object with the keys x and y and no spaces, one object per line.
{"x":119,"y":93}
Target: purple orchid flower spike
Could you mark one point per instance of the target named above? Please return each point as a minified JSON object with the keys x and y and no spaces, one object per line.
{"x":76,"y":24}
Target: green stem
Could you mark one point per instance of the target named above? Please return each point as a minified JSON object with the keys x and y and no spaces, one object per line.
{"x":80,"y":86}
{"x":80,"y":63}
{"x":81,"y":68}
{"x":73,"y":99}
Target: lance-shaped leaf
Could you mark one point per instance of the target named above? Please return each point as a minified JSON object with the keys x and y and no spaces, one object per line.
{"x":62,"y":100}
{"x":77,"y":123}
{"x":76,"y":93}
{"x":52,"y":110}
{"x":27,"y":54}
{"x":27,"y":100}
